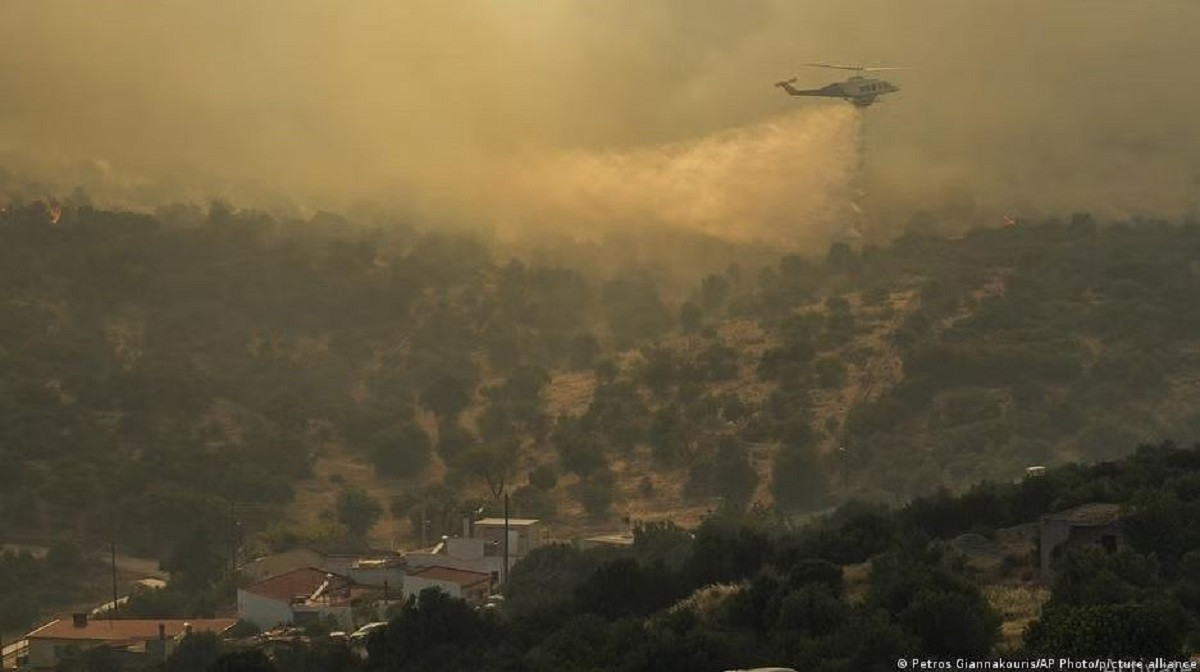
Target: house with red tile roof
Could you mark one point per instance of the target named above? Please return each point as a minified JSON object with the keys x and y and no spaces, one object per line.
{"x":297,"y":597}
{"x":150,"y":639}
{"x":473,"y":587}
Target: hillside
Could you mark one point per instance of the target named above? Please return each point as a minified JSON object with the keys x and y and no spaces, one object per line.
{"x":945,"y":577}
{"x":241,"y":374}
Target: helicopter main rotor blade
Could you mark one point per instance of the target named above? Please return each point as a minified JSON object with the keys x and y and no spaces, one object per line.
{"x":835,"y":67}
{"x":856,"y":68}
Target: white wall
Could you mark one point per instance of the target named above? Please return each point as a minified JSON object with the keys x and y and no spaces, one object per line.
{"x":41,"y":651}
{"x":262,"y":611}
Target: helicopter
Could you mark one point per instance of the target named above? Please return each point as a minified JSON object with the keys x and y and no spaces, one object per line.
{"x":859,"y":90}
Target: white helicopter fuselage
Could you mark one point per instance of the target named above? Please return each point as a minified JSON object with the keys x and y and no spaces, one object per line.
{"x":862,"y":91}
{"x":859,"y":90}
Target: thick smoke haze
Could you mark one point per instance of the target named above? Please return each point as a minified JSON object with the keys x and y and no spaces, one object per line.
{"x":590,"y":115}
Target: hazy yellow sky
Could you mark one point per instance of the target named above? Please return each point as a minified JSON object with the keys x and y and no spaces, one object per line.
{"x":584,"y":111}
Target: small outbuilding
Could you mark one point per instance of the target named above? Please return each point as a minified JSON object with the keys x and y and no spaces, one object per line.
{"x":1090,"y":524}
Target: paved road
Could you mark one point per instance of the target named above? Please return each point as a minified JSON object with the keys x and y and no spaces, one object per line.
{"x":125,"y":563}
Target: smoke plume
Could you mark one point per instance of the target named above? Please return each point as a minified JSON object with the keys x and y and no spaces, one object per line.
{"x":588,"y":116}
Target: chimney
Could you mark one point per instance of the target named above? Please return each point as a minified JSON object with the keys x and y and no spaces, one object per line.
{"x":187,"y":629}
{"x":162,"y":632}
{"x":80,"y":619}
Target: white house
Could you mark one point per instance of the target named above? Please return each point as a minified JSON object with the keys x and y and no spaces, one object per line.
{"x":371,"y":569}
{"x":524,"y":535}
{"x":473,"y":587}
{"x":296,"y":597}
{"x":482,"y":548}
{"x":378,"y":572}
{"x":148,"y":640}
{"x":456,"y":553}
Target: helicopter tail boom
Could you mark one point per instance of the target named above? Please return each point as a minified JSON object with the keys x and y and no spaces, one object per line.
{"x":833,"y":90}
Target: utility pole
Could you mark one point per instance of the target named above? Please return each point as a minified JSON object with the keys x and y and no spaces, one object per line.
{"x":235,"y":543}
{"x":112,"y":553}
{"x":845,"y":455}
{"x":504,"y":575}
{"x":424,"y":528}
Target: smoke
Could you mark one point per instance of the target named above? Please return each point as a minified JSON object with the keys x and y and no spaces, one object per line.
{"x":783,"y":181}
{"x":595,"y":116}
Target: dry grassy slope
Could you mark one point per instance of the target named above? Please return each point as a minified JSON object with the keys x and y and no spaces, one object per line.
{"x":875,"y":369}
{"x":336,"y":466}
{"x":1007,"y":572}
{"x":872,"y":367}
{"x":872,"y":364}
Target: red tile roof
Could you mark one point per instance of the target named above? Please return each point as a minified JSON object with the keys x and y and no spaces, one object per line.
{"x":295,"y":583}
{"x":127,"y":629}
{"x":462,"y":577}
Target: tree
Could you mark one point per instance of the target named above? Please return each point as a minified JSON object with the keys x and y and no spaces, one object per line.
{"x":196,"y":653}
{"x":193,"y":564}
{"x":446,"y":397}
{"x":95,"y":659}
{"x":330,"y":655}
{"x":65,"y":556}
{"x":1131,"y":631}
{"x":524,"y":385}
{"x":633,"y":308}
{"x":840,"y":258}
{"x":733,"y":477}
{"x":606,"y":371}
{"x":434,"y":631}
{"x":544,"y":581}
{"x":543,"y":477}
{"x":726,"y":550}
{"x":357,"y":510}
{"x":401,"y":451}
{"x":583,"y":350}
{"x":581,"y":451}
{"x":250,"y":660}
{"x":662,"y":542}
{"x":494,"y":463}
{"x":531,"y":502}
{"x":691,"y":318}
{"x":623,"y":587}
{"x":595,"y":492}
{"x":929,"y":591}
{"x":454,"y":443}
{"x":797,"y":481}
{"x":713,"y":291}
{"x":830,"y":372}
